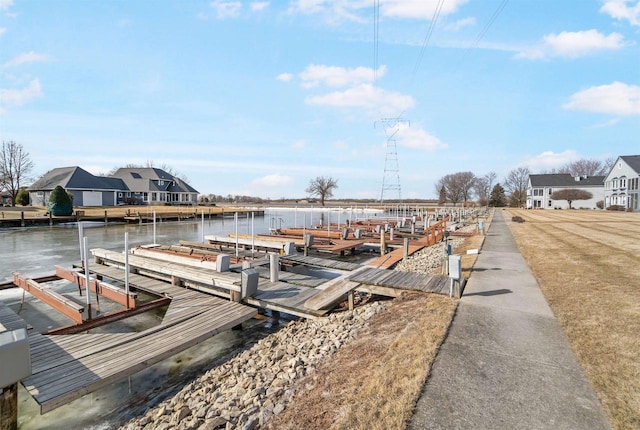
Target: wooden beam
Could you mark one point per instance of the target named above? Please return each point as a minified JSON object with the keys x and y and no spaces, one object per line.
{"x":109,"y":291}
{"x":60,"y":303}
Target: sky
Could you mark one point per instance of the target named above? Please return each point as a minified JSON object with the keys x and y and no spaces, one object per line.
{"x":259,"y":97}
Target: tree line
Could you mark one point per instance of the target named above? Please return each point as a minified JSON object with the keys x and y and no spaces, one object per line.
{"x":463,"y":187}
{"x":456,"y":188}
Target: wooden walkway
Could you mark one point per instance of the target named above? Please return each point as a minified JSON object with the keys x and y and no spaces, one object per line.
{"x":66,"y":367}
{"x":393,"y":282}
{"x":388,"y":260}
{"x":320,"y":262}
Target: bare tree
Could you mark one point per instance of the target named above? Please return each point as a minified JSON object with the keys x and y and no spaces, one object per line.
{"x":322,"y":187}
{"x":586,"y":167}
{"x":516,"y":183}
{"x":15,"y":166}
{"x":483,"y":187}
{"x":571,"y":195}
{"x":457,"y":187}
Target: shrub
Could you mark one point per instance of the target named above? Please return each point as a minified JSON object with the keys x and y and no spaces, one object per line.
{"x":59,"y":202}
{"x":23,"y":197}
{"x":616,"y":208}
{"x":600,"y":204}
{"x":517,"y":219}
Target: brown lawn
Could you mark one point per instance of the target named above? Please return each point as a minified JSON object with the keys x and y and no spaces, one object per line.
{"x":588,"y":266}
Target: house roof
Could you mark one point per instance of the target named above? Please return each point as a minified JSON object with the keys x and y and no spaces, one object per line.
{"x":74,"y":177}
{"x":633,"y":161}
{"x":147,"y":179}
{"x":565,"y":180}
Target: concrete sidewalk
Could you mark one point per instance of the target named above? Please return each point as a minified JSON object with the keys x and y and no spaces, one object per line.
{"x":506,"y":364}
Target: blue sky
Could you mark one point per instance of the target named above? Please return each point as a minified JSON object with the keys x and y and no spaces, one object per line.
{"x":258,"y":97}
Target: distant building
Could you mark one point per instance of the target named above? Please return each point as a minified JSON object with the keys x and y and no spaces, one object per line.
{"x":86,"y":189}
{"x":621,"y":186}
{"x":151,"y":185}
{"x":126,"y":186}
{"x":541,"y":187}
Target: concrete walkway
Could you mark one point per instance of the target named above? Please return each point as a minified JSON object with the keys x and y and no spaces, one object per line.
{"x":506,"y":364}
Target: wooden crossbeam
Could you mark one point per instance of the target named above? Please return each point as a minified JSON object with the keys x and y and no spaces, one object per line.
{"x":67,"y":307}
{"x":107,"y":290}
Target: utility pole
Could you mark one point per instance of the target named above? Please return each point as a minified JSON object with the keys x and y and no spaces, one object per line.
{"x":391,"y":177}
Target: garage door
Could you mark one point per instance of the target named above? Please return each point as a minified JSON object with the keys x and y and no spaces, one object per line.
{"x":91,"y":198}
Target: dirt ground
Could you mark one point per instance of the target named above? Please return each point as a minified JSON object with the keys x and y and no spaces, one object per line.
{"x":588,"y":266}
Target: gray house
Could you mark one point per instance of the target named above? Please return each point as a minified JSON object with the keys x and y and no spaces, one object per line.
{"x":150,"y":185}
{"x":126,"y":186}
{"x":87,"y":189}
{"x":541,"y":187}
{"x":621,"y":186}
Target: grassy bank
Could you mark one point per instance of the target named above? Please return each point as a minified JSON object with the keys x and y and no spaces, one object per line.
{"x":586,"y":263}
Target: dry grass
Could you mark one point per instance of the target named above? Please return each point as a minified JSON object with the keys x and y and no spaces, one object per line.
{"x":373,"y":382}
{"x":587,"y":264}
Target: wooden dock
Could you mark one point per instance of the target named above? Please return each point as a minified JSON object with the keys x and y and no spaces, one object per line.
{"x":392,"y":283}
{"x":66,"y":367}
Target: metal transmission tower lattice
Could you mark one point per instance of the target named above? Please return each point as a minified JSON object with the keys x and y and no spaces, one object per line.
{"x":391,"y":178}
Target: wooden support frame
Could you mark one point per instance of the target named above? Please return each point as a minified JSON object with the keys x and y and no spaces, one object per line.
{"x":65,"y":306}
{"x":104,"y":289}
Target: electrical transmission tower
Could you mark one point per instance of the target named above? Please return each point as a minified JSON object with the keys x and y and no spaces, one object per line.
{"x":391,"y":178}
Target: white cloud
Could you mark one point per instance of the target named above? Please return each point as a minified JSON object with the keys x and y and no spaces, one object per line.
{"x":226,"y":9}
{"x":29,"y":57}
{"x":573,"y":45}
{"x":298,"y":144}
{"x":334,"y":76}
{"x":20,"y":97}
{"x":616,"y":99}
{"x":284,"y":77}
{"x":420,"y":9}
{"x":415,"y":137}
{"x":619,"y":10}
{"x":549,"y":160}
{"x":2,"y":31}
{"x":5,"y":4}
{"x":609,"y":123}
{"x":273,"y":180}
{"x":461,"y":23}
{"x":336,"y":11}
{"x":365,"y":96}
{"x":259,"y":6}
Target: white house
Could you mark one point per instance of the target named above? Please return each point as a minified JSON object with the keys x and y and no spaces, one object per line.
{"x":621,"y":186}
{"x":541,"y":187}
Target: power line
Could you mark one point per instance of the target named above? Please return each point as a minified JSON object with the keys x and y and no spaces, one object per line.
{"x":497,"y":12}
{"x":432,"y":25}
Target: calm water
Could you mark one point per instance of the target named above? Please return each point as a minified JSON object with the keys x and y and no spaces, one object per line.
{"x":34,"y":251}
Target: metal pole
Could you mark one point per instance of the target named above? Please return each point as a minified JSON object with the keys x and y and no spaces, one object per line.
{"x":126,"y":265}
{"x":87,"y":279}
{"x":80,"y":236}
{"x":253,"y":238}
{"x":295,"y":217}
{"x":236,"y":219}
{"x":203,"y":226}
{"x":328,"y":223}
{"x":154,"y":227}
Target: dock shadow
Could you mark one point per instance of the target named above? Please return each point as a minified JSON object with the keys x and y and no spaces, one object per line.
{"x":491,"y":292}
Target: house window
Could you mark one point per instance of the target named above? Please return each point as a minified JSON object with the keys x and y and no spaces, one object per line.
{"x":145,"y":197}
{"x":538,"y":192}
{"x":154,"y":196}
{"x":549,"y":204}
{"x":160,"y":182}
{"x":550,"y":191}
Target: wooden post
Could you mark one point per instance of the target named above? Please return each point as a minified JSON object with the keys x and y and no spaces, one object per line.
{"x":106,"y":218}
{"x":350,"y":299}
{"x":50,"y":219}
{"x":9,"y":407}
{"x":21,"y":218}
{"x":383,"y":245}
{"x":405,"y":254}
